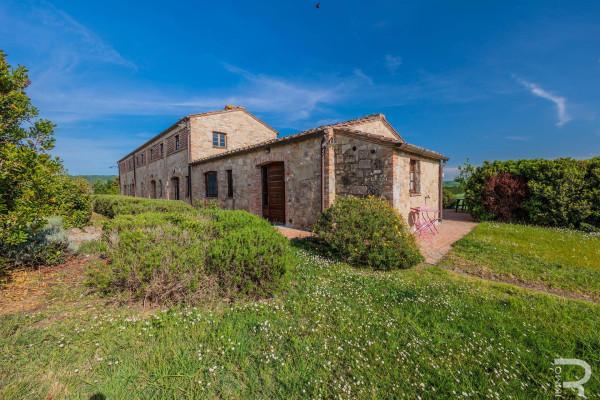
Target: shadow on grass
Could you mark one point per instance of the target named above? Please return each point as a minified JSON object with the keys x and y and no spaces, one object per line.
{"x":316,"y":246}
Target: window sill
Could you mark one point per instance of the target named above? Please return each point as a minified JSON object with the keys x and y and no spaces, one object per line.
{"x":219,"y":147}
{"x":415,"y":194}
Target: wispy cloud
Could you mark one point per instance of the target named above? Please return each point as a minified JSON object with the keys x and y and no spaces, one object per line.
{"x":517,"y":138}
{"x":392,"y":63}
{"x":361,"y":75}
{"x":559,"y":101}
{"x":75,"y":37}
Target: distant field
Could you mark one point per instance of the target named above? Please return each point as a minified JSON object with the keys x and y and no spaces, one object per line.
{"x":454,"y":188}
{"x":94,"y":178}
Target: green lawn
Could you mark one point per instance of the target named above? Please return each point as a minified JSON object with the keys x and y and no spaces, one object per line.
{"x":555,"y":259}
{"x":338,"y":332}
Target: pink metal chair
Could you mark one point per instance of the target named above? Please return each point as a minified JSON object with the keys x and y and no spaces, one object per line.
{"x":424,"y":220}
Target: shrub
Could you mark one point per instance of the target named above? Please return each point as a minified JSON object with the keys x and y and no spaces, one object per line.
{"x":368,"y":231}
{"x":503,"y":196}
{"x":46,"y":246}
{"x":113,"y":205}
{"x":154,"y":257}
{"x":74,"y":201}
{"x":177,"y":257}
{"x":248,"y":257}
{"x":562,"y":192}
{"x":447,"y":197}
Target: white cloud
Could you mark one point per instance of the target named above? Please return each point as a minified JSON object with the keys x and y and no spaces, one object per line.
{"x":517,"y":138}
{"x":392,"y":63}
{"x":361,"y":75}
{"x":559,"y":101}
{"x":82,"y":41}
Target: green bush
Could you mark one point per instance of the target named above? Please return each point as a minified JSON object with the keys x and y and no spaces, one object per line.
{"x":447,"y":197}
{"x":113,"y":205}
{"x":154,"y":257}
{"x":46,"y":246}
{"x":175,"y":257}
{"x":248,"y":256}
{"x":562,"y":193}
{"x":368,"y":231}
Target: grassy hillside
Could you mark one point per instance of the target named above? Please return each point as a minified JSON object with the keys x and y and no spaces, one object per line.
{"x":339,"y":332}
{"x":559,"y":260}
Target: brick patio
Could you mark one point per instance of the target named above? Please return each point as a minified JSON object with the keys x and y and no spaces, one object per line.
{"x":454,"y":226}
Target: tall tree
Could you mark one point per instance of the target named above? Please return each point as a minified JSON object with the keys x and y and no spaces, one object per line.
{"x":33,"y":183}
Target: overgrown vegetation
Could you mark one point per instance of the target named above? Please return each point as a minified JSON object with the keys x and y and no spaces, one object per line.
{"x":33,"y":184}
{"x":167,"y":252}
{"x":106,"y":186}
{"x":368,"y":231}
{"x":113,"y":205}
{"x":559,"y":260}
{"x":562,"y":193}
{"x":338,"y":332}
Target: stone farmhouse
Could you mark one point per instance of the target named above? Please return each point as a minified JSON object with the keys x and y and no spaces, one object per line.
{"x":232,"y":157}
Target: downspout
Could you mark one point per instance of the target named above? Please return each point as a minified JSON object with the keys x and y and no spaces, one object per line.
{"x":134,"y":176}
{"x":441,"y":189}
{"x":189,"y":183}
{"x":323,"y":148}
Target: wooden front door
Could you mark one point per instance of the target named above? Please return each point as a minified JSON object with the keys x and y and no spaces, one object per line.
{"x":273,"y":192}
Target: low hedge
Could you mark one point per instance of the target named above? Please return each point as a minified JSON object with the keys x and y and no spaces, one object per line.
{"x":185,"y":257}
{"x":368,"y":231}
{"x":561,"y":193}
{"x":113,"y":205}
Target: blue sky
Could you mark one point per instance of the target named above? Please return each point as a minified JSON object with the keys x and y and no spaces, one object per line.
{"x":478,"y":80}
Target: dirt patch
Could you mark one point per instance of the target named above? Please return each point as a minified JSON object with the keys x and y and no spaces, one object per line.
{"x":78,"y":236}
{"x":465,"y":267}
{"x":27,"y":289}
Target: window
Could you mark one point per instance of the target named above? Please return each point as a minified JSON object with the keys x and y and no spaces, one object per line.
{"x":160,"y":195}
{"x":219,"y":140}
{"x":177,"y":142}
{"x":210,"y":180}
{"x":188,"y":186}
{"x":415,"y":177}
{"x":151,"y":154}
{"x":229,"y":183}
{"x":142,"y":158}
{"x":161,"y":150}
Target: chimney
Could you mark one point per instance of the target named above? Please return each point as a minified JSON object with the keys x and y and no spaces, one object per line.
{"x":233,"y":107}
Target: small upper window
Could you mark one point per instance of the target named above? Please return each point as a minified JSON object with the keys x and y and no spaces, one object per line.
{"x":161,"y":150}
{"x":176,"y":142}
{"x":219,"y":140}
{"x":415,"y":177}
{"x":151,"y":154}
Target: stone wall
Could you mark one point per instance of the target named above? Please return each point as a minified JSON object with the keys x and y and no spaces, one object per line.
{"x":240,"y":129}
{"x":375,"y":127}
{"x":160,"y":168}
{"x":429,"y":194}
{"x":362,"y":167}
{"x":302,"y":164}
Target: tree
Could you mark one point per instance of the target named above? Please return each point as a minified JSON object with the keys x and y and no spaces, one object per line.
{"x":33,"y":183}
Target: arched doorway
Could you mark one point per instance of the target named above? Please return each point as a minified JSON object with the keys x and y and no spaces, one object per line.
{"x":273,"y":192}
{"x":153,"y":189}
{"x":175,"y":188}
